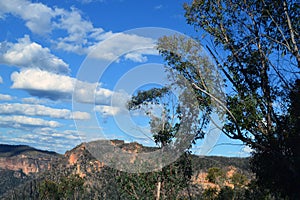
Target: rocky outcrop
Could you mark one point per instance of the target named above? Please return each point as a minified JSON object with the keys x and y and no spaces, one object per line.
{"x":26,"y":164}
{"x":201,"y":179}
{"x":82,"y":161}
{"x":25,"y":159}
{"x":30,"y":161}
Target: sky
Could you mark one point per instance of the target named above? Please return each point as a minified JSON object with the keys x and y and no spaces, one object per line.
{"x":67,"y":68}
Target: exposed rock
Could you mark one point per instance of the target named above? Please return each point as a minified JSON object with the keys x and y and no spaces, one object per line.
{"x":26,"y":159}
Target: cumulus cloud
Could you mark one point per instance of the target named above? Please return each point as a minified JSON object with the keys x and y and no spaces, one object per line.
{"x":54,"y":134}
{"x":79,"y":35}
{"x":37,"y":16}
{"x":62,"y":87}
{"x":131,"y":46}
{"x":108,"y":110}
{"x":28,"y":54}
{"x":66,"y":134}
{"x":54,"y":86}
{"x":40,"y":110}
{"x":83,"y":38}
{"x":5,"y":97}
{"x":33,"y":100}
{"x":42,"y":19}
{"x":23,"y":122}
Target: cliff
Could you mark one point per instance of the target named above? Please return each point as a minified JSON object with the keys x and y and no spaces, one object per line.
{"x":25,"y":159}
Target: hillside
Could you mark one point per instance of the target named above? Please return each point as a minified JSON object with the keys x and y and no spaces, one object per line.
{"x":14,"y":150}
{"x":20,"y":163}
{"x":84,"y":176}
{"x":26,"y":159}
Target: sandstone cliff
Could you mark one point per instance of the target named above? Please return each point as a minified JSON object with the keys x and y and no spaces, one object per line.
{"x":25,"y":159}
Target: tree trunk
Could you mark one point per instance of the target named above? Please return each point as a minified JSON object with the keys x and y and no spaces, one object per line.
{"x":158,"y":189}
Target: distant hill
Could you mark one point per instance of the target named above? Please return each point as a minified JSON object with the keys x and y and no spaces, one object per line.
{"x":20,"y":164}
{"x":26,"y":159}
{"x":11,"y":179}
{"x":25,"y":170}
{"x":7,"y":150}
{"x":205,"y":162}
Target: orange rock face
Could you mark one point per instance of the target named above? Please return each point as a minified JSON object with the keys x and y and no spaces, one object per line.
{"x":25,"y":164}
{"x":73,"y":158}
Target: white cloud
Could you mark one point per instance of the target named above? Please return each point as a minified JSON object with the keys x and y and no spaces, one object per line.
{"x":247,"y":150}
{"x":1,"y":80}
{"x":5,"y":97}
{"x":40,"y":110}
{"x":42,"y":19}
{"x":32,"y":100}
{"x":81,"y":36}
{"x":89,"y":1}
{"x":37,"y":16}
{"x":80,"y":115}
{"x":158,"y":7}
{"x":67,"y":134}
{"x":54,"y":134}
{"x":23,"y":122}
{"x":135,"y":57}
{"x":81,"y":33}
{"x":54,"y":86}
{"x":61,"y":87}
{"x":29,"y":54}
{"x":43,"y":138}
{"x":133,"y":47}
{"x":108,"y":110}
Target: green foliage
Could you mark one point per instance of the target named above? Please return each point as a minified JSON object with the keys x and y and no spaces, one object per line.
{"x":239,"y":180}
{"x":216,"y":175}
{"x":175,"y":180}
{"x":256,"y":39}
{"x":254,"y":191}
{"x":279,"y":166}
{"x":134,"y":186}
{"x":226,"y":193}
{"x":59,"y":183}
{"x":49,"y":190}
{"x":67,"y":188}
{"x":242,"y":30}
{"x":149,"y":96}
{"x":11,"y":179}
{"x":210,"y":193}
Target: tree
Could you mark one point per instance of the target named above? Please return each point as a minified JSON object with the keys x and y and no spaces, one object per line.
{"x":226,"y":193}
{"x":239,"y":180}
{"x":67,"y":188}
{"x":255,"y":44}
{"x":172,"y":179}
{"x":210,"y":193}
{"x":183,"y":119}
{"x":249,"y":34}
{"x":279,"y":167}
{"x":216,"y":175}
{"x":48,"y":190}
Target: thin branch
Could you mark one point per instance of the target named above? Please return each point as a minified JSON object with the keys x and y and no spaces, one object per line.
{"x":291,"y":29}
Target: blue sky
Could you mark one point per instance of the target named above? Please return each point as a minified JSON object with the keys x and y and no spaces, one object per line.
{"x":46,"y":47}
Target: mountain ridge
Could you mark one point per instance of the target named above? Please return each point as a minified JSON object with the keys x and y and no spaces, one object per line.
{"x":79,"y":162}
{"x":12,"y":150}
